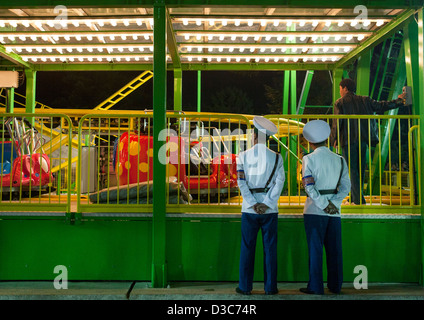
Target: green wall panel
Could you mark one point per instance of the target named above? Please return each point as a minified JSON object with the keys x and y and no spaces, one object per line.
{"x":208,"y":250}
{"x":197,"y":249}
{"x":92,"y":250}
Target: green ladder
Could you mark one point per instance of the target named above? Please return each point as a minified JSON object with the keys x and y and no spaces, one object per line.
{"x":387,"y":85}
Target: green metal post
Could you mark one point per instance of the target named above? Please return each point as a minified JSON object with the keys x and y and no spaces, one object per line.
{"x":363,"y":74}
{"x":286,"y":92}
{"x":293,"y":93}
{"x":305,"y":91}
{"x":159,"y":268}
{"x":30,"y":76}
{"x":178,"y":89}
{"x":199,"y":91}
{"x":363,"y":86}
{"x":411,"y":60}
{"x":10,"y":105}
{"x":421,"y":113}
{"x":337,"y":77}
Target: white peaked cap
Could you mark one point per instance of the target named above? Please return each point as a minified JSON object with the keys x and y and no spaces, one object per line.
{"x":264,"y":125}
{"x":316,"y":131}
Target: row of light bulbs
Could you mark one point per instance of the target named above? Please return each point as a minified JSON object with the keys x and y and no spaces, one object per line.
{"x":288,"y":22}
{"x":142,"y":48}
{"x":77,"y":36}
{"x":292,"y":58}
{"x":64,"y":21}
{"x":283,"y":49}
{"x":187,"y":36}
{"x":62,"y":48}
{"x":137,"y":58}
{"x":82,"y":58}
{"x":291,"y":36}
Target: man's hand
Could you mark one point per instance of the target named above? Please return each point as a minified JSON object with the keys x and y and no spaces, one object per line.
{"x":260,"y":208}
{"x":331,"y":208}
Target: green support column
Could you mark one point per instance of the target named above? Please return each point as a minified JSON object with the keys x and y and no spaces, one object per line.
{"x":337,"y":77}
{"x":305,"y":91}
{"x":411,"y":44}
{"x":30,"y":76}
{"x":363,"y":74}
{"x":363,"y":87}
{"x":199,"y":91}
{"x":290,"y":162}
{"x":10,"y":104}
{"x":159,"y":268}
{"x":178,"y":89}
{"x":286,"y":92}
{"x":419,"y":92}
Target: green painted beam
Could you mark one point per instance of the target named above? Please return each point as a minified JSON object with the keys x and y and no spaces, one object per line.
{"x":199,"y":90}
{"x":178,"y":89}
{"x":337,"y":77}
{"x":305,"y":91}
{"x":363,"y":74}
{"x":159,"y":268}
{"x":94,"y":67}
{"x":172,"y":43}
{"x":10,"y":94}
{"x":257,"y":66}
{"x":30,"y":76}
{"x":421,"y":137}
{"x":411,"y":59}
{"x":14,"y":58}
{"x":184,"y":67}
{"x":380,"y":35}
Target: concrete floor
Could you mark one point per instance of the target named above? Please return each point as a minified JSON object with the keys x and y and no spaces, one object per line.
{"x":44,"y":290}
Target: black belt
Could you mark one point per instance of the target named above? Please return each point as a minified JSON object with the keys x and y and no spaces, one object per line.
{"x":328,"y":191}
{"x":259,"y":190}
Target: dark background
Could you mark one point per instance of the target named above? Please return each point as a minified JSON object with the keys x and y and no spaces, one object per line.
{"x":248,"y":92}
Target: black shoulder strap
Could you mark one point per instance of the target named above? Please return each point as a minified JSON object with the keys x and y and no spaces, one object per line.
{"x":273,"y":171}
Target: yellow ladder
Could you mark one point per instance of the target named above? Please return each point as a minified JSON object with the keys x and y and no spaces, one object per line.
{"x":124,"y":91}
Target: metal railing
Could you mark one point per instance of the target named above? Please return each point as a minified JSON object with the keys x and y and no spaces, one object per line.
{"x":28,"y":170}
{"x":395,"y":155}
{"x":198,"y":157}
{"x":106,"y":165}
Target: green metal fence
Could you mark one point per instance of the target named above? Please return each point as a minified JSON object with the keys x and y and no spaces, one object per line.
{"x":392,"y":168}
{"x":105,"y":167}
{"x":115,"y":173}
{"x":35,"y":152}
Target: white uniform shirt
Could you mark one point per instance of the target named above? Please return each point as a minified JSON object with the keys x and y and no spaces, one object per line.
{"x":254,"y":167}
{"x":321,"y":171}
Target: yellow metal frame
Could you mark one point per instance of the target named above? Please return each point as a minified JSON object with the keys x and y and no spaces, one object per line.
{"x":288,"y":124}
{"x":40,"y":203}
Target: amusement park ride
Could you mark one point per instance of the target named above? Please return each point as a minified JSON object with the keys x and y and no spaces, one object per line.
{"x":23,"y":169}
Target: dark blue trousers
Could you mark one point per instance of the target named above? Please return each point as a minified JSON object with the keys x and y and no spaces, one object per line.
{"x":250,"y":225}
{"x":324,"y":232}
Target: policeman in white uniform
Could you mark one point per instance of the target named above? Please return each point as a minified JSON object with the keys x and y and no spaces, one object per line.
{"x":326,"y":181}
{"x":261,"y":180}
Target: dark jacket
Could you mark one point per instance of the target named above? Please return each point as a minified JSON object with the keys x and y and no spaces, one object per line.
{"x":352,"y":104}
